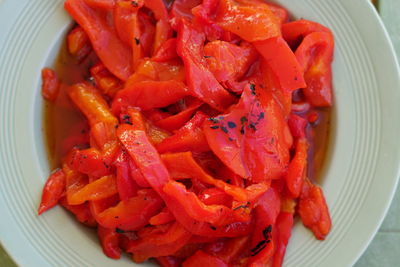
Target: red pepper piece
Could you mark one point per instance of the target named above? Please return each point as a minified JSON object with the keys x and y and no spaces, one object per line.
{"x":74,"y":181}
{"x":159,"y":244}
{"x":294,"y":32}
{"x":217,"y":215}
{"x":102,"y":4}
{"x":82,"y":212}
{"x":315,"y":55}
{"x":182,"y":9}
{"x":90,"y":161}
{"x":78,"y":43}
{"x":165,"y":216}
{"x":188,"y":138}
{"x":297,"y":168}
{"x":166,"y":51}
{"x":142,"y":94}
{"x":50,"y":84}
{"x":105,"y":81}
{"x":250,"y":20}
{"x":229,"y":62}
{"x":284,"y":224}
{"x":313,"y":210}
{"x":262,"y":246}
{"x":228,"y":250}
{"x":279,"y":12}
{"x":235,"y":137}
{"x":53,"y":190}
{"x":283,"y":63}
{"x":109,"y":240}
{"x":92,"y":104}
{"x":115,"y":55}
{"x":201,"y":259}
{"x":177,"y":121}
{"x":96,"y":190}
{"x":98,"y":206}
{"x":132,"y":214}
{"x":202,"y":84}
{"x":148,"y":31}
{"x":127,"y":188}
{"x":215,"y":196}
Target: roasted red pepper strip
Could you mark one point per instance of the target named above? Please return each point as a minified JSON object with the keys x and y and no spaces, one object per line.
{"x":90,"y":161}
{"x":313,"y":210}
{"x":109,"y":240}
{"x":262,"y":246}
{"x":132,"y":214}
{"x":284,"y":224}
{"x":236,"y":137}
{"x":169,"y":261}
{"x":228,"y":250}
{"x":202,"y":84}
{"x":147,"y":31}
{"x":315,"y":55}
{"x":294,"y":32}
{"x":165,"y":216}
{"x":105,"y":81}
{"x":252,"y":21}
{"x":159,"y":244}
{"x":50,"y":84}
{"x":78,"y":43}
{"x":104,"y":4}
{"x":53,"y":190}
{"x":115,"y":55}
{"x":127,"y":188}
{"x":182,"y":9}
{"x":283,"y":63}
{"x":74,"y":181}
{"x":96,"y":190}
{"x":98,"y":206}
{"x":216,"y":196}
{"x":297,"y":169}
{"x":297,"y":126}
{"x":166,"y":51}
{"x":188,"y":138}
{"x":279,"y":12}
{"x":201,"y":259}
{"x":142,"y":94}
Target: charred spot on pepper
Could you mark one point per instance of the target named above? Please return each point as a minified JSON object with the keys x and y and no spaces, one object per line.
{"x":213,"y":120}
{"x":253,"y":89}
{"x":242,"y":130}
{"x":231,"y":124}
{"x":137,"y":41}
{"x":258,"y":248}
{"x":267,"y":232}
{"x":224,"y":129}
{"x":231,"y":139}
{"x":116,"y":126}
{"x":261,"y":116}
{"x":119,"y":231}
{"x":253,"y":126}
{"x":214,"y":127}
{"x":116,"y":217}
{"x":243,"y":119}
{"x":207,"y":56}
{"x":213,"y":227}
{"x":134,"y":3}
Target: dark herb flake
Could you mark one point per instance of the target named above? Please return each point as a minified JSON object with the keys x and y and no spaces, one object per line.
{"x":224,"y":129}
{"x":214,"y":127}
{"x":231,"y":124}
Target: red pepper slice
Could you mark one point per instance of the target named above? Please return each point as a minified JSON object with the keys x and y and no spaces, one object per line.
{"x":236,"y":137}
{"x":313,"y":210}
{"x":201,"y":259}
{"x":127,"y":188}
{"x":142,"y":94}
{"x":165,"y":216}
{"x":74,"y":181}
{"x":105,"y":81}
{"x":230,"y":250}
{"x":294,"y":32}
{"x":297,"y":168}
{"x":159,"y":244}
{"x":78,"y":43}
{"x":284,"y":224}
{"x":113,"y":53}
{"x":202,"y":84}
{"x":166,"y":51}
{"x":96,"y":190}
{"x":103,"y":4}
{"x":109,"y":240}
{"x":132,"y":214}
{"x":90,"y":161}
{"x":315,"y":55}
{"x":279,"y":12}
{"x":252,"y":21}
{"x":53,"y":190}
{"x":283,"y":63}
{"x":188,"y":138}
{"x":297,"y":126}
{"x":169,"y":261}
{"x":50,"y":84}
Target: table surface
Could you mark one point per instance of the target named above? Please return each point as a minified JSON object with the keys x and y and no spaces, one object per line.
{"x":384,"y":250}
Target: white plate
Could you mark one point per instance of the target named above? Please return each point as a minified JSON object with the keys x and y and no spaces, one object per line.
{"x":362,"y":167}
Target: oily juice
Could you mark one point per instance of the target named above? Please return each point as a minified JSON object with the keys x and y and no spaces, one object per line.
{"x":62,"y":120}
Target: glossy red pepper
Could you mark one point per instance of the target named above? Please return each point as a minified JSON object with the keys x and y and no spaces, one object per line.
{"x":297,"y":125}
{"x":78,"y":43}
{"x":147,"y":30}
{"x":113,"y":53}
{"x":90,"y":161}
{"x":169,"y":261}
{"x":127,"y":188}
{"x":165,"y":216}
{"x":74,"y":181}
{"x":50,"y":84}
{"x":103,"y":4}
{"x":166,"y":51}
{"x":82,"y":212}
{"x":188,"y":138}
{"x":235,"y":137}
{"x":159,"y":244}
{"x":315,"y":55}
{"x":202,"y":84}
{"x":53,"y":190}
{"x":297,"y":169}
{"x":109,"y":240}
{"x":313,"y":210}
{"x":105,"y":81}
{"x":132,"y":214}
{"x":294,"y":32}
{"x":284,"y":224}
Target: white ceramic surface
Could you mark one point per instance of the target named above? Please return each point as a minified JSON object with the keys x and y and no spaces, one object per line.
{"x":361,"y":170}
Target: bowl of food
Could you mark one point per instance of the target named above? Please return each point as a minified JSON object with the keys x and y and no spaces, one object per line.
{"x":232,"y":133}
